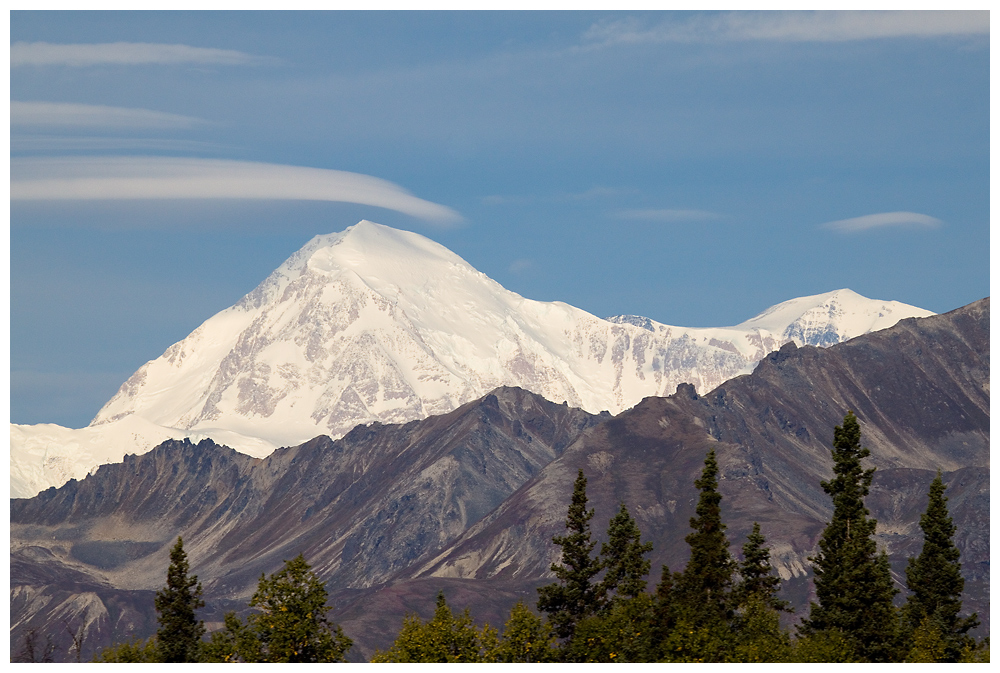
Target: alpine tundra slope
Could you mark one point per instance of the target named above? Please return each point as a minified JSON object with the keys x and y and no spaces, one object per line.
{"x":377,"y":324}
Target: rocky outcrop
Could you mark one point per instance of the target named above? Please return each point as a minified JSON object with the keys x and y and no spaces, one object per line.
{"x":920,"y":390}
{"x":362,"y":508}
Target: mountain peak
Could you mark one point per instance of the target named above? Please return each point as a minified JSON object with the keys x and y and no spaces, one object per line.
{"x":377,"y":324}
{"x":831,"y":317}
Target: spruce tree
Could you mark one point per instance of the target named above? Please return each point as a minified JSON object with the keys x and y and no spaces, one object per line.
{"x":575,"y":594}
{"x":852,"y":579}
{"x":758,"y":633}
{"x":623,"y":558}
{"x":935,"y":581}
{"x":664,"y":617}
{"x":702,"y":591}
{"x":179,"y":636}
{"x":756,"y":575}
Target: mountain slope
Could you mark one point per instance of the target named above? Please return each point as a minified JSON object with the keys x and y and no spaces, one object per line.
{"x":362,"y":508}
{"x":377,"y":324}
{"x":469,"y":501}
{"x":920,"y":390}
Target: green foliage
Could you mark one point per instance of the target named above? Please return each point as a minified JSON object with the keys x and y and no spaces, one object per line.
{"x":621,"y":634}
{"x":664,"y":617}
{"x":445,"y":639}
{"x":852,"y":580}
{"x":827,"y":646}
{"x":179,"y":635}
{"x":623,"y":557}
{"x":927,"y":644}
{"x":756,"y":575}
{"x":978,"y":653}
{"x":235,"y":642}
{"x":690,"y":643}
{"x":702,"y":592}
{"x":935,"y":581}
{"x":290,"y":627}
{"x":759,"y":637}
{"x":526,"y":638}
{"x":574,"y":595}
{"x":136,"y":652}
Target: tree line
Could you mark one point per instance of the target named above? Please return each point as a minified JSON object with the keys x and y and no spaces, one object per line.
{"x":717,"y":609}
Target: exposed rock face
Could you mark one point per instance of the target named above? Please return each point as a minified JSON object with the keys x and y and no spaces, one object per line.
{"x":920,"y":390}
{"x":361,"y":508}
{"x":470,"y":500}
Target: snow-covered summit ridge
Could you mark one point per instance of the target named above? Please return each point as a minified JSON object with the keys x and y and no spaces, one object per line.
{"x":831,"y":317}
{"x":373,"y":323}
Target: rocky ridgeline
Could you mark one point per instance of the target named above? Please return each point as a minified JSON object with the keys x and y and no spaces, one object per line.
{"x":468,"y":501}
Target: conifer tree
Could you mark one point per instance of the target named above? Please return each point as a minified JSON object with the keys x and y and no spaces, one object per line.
{"x":664,"y":614}
{"x":756,"y":626}
{"x":756,"y":575}
{"x":179,"y":636}
{"x":935,"y":581}
{"x":575,"y":594}
{"x":623,"y":558}
{"x":853,"y":583}
{"x":702,"y":591}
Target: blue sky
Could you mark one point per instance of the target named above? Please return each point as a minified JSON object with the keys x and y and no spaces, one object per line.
{"x":691,"y":167}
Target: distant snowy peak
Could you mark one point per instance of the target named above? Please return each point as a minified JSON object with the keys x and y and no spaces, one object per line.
{"x":832,"y":317}
{"x":377,"y":324}
{"x":374,"y":323}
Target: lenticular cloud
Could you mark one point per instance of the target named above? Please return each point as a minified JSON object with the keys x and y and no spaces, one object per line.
{"x":895,"y":219}
{"x":120,"y":53}
{"x":119,"y":178}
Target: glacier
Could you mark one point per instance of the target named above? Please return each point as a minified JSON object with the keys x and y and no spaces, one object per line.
{"x":375,"y":324}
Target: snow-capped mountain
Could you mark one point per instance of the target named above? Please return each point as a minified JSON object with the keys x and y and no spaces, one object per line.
{"x":377,"y":324}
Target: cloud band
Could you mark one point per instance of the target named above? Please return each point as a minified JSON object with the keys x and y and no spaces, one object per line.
{"x":894,"y":219}
{"x":78,"y":115}
{"x":120,"y":178}
{"x":121,"y":53}
{"x":822,"y":26}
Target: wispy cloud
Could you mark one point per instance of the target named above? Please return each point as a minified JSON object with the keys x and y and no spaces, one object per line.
{"x":813,"y":26}
{"x":896,"y":219}
{"x":121,"y":178}
{"x":55,"y":143}
{"x":78,"y":115}
{"x":123,"y":53}
{"x":666,"y":215}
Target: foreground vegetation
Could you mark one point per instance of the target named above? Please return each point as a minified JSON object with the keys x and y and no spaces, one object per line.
{"x":717,"y":609}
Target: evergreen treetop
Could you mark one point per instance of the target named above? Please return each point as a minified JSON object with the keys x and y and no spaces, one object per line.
{"x":623,"y":558}
{"x":575,"y":594}
{"x":853,"y":584}
{"x":702,"y":590}
{"x":179,"y":636}
{"x":935,"y":580}
{"x":756,"y":575}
